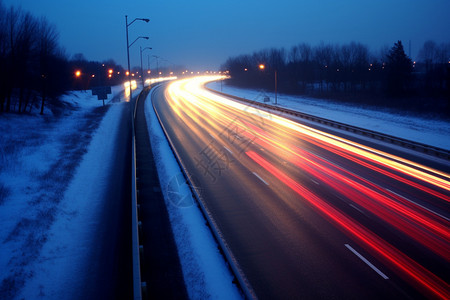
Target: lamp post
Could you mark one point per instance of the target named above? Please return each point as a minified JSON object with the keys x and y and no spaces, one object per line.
{"x":142,"y":71}
{"x":157,"y":66}
{"x":128,"y":47}
{"x":262,"y":67}
{"x":276,"y":92}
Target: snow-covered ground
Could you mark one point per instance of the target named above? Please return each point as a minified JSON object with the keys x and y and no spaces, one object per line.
{"x":49,"y":197}
{"x":204,"y":270}
{"x":433,"y":132}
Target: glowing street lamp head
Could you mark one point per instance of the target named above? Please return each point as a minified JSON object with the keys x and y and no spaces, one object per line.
{"x":127,"y":73}
{"x":110,"y":71}
{"x":77,"y":73}
{"x":262,"y":66}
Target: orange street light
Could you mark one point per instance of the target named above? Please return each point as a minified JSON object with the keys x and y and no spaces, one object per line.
{"x":262,"y":67}
{"x":110,"y":71}
{"x":77,"y":73}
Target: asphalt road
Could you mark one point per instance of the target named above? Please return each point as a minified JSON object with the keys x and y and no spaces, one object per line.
{"x":308,"y":214}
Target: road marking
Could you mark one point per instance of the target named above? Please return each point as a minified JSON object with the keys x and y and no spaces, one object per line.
{"x":260,"y":178}
{"x":366,"y":261}
{"x":315,"y":181}
{"x":356,"y":208}
{"x":231,"y":152}
{"x":431,"y":211}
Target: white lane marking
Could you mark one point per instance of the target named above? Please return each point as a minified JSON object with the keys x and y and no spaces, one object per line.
{"x":315,"y":181}
{"x":431,"y":211}
{"x":231,"y":152}
{"x":366,"y":261}
{"x":260,"y":178}
{"x":356,"y":208}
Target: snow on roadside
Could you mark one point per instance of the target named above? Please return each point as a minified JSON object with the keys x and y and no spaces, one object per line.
{"x":62,"y":263}
{"x":205,"y":274}
{"x":39,"y":159}
{"x":423,"y":130}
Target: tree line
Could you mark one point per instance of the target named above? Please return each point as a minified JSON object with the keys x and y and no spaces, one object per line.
{"x":35,"y":69}
{"x":352,"y":73}
{"x":31,"y":62}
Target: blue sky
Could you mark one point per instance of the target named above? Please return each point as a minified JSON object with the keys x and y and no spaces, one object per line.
{"x":202,"y":34}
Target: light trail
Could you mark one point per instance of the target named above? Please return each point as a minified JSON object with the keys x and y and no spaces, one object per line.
{"x":409,"y":269}
{"x":284,"y":139}
{"x":193,"y":91}
{"x":408,"y":217}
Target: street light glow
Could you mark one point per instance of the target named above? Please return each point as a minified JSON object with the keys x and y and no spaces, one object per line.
{"x":77,"y":73}
{"x":262,"y":67}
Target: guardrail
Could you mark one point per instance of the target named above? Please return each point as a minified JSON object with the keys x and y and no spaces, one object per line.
{"x":232,"y":262}
{"x":419,"y":147}
{"x":138,"y":285}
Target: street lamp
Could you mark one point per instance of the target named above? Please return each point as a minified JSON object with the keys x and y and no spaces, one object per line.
{"x":142,"y":71}
{"x":128,"y":46}
{"x":157,"y":66}
{"x":262,"y":67}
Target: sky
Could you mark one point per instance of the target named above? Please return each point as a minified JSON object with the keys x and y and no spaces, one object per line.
{"x":202,"y":34}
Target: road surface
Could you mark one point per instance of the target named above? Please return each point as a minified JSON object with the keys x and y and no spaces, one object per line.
{"x":306,"y":213}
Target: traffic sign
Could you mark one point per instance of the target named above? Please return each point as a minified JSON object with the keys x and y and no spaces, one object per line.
{"x":101,"y":92}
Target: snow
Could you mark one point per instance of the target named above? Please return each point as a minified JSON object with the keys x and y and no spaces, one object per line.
{"x":433,"y":132}
{"x":50,"y":172}
{"x":204,"y":270}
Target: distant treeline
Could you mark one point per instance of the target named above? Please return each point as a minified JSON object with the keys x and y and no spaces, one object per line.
{"x":35,"y":69}
{"x":352,"y":73}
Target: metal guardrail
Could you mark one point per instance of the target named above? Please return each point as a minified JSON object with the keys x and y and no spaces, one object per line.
{"x":419,"y":147}
{"x":232,"y":262}
{"x":138,"y":285}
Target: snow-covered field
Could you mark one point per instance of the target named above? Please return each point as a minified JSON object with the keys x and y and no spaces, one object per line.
{"x":48,"y":199}
{"x":433,"y":132}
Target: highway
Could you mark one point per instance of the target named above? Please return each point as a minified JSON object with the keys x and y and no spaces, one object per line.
{"x":307,"y":213}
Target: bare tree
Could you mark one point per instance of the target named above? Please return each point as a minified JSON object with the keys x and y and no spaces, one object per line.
{"x":25,"y":42}
{"x":47,"y":46}
{"x":3,"y":55}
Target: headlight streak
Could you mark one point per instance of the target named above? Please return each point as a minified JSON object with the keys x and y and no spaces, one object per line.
{"x":383,"y":158}
{"x":429,"y":283}
{"x":416,"y":222}
{"x":189,"y":99}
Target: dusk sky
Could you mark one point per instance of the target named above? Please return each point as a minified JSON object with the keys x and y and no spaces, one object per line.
{"x":202,"y":34}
